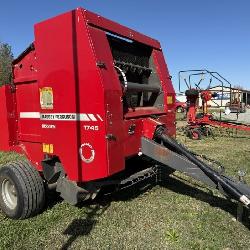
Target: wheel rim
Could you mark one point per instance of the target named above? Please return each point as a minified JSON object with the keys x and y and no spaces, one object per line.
{"x":9,"y":194}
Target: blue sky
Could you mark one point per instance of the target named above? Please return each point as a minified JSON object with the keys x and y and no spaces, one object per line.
{"x":193,"y":33}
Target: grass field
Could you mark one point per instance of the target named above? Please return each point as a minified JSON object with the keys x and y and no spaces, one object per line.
{"x":180,"y":214}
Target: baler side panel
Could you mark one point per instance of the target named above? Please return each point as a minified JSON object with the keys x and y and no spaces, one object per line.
{"x":11,"y":114}
{"x":77,"y":88}
{"x":113,"y":101}
{"x":9,"y":129}
{"x":93,"y":151}
{"x":56,"y":69}
{"x":7,"y":123}
{"x":29,"y":125}
{"x":169,"y":92}
{"x":27,"y":97}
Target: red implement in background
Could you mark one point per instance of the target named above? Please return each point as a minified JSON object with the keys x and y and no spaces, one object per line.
{"x":197,"y":123}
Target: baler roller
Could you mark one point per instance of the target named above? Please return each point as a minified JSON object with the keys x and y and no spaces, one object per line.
{"x":131,"y":65}
{"x":137,"y":87}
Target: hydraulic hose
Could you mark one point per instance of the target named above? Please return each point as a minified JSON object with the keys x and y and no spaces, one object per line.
{"x":212,"y":174}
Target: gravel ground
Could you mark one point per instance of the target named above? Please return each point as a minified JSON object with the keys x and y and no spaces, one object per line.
{"x":243,"y":117}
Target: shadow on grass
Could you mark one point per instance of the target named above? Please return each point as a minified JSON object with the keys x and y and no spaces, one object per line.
{"x":52,"y":198}
{"x":82,"y":227}
{"x":95,"y":209}
{"x":177,"y":185}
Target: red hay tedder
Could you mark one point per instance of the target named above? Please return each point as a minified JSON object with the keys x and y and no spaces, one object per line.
{"x":199,"y":124}
{"x":87,"y":95}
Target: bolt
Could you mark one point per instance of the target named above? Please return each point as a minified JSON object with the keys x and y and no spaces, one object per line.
{"x":139,"y":153}
{"x":241,"y":174}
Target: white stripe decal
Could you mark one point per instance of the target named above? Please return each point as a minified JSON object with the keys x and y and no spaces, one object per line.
{"x":29,"y":115}
{"x":99,"y":117}
{"x":60,"y":116}
{"x":84,"y":117}
{"x":92,"y":117}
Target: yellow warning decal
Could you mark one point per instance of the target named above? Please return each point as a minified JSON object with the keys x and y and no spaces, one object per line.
{"x":170,"y":99}
{"x":46,"y":98}
{"x":48,"y":148}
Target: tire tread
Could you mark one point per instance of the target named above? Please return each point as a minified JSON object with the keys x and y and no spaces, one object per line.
{"x":31,"y":185}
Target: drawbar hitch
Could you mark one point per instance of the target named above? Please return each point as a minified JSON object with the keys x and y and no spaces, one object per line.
{"x":169,"y":152}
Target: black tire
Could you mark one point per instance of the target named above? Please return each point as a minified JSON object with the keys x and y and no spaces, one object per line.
{"x":195,"y":134}
{"x":28,"y":189}
{"x":206,"y":131}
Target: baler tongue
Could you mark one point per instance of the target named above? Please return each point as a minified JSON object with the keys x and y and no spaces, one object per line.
{"x":176,"y":156}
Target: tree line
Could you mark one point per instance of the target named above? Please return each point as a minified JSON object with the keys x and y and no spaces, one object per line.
{"x":6,"y":58}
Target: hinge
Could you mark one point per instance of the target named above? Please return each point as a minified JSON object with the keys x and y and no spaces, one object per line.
{"x":101,"y":65}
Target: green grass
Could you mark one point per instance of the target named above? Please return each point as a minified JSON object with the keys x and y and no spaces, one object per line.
{"x":180,"y":214}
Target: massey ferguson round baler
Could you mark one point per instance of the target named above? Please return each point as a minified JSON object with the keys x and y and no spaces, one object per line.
{"x":89,"y":94}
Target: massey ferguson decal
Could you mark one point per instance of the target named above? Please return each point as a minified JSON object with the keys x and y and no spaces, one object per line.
{"x":49,"y":126}
{"x":59,"y":117}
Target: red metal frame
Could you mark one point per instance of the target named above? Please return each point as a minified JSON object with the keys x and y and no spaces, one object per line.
{"x":207,"y":119}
